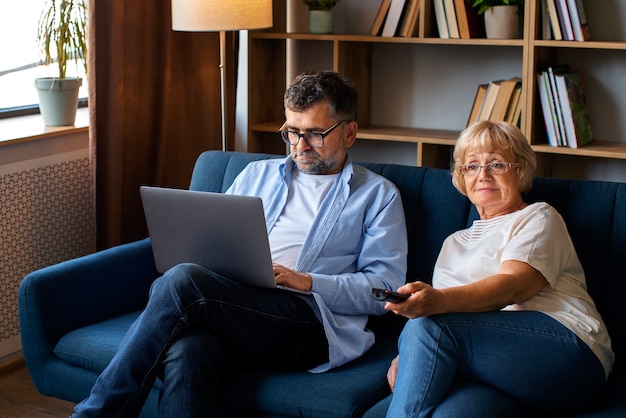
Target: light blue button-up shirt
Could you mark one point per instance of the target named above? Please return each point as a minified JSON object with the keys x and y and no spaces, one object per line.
{"x":357,"y":241}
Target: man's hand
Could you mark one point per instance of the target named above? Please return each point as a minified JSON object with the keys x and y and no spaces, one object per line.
{"x":291,"y":278}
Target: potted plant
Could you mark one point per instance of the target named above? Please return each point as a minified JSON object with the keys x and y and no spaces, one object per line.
{"x":501,"y":17}
{"x":321,"y":16}
{"x":62,"y":38}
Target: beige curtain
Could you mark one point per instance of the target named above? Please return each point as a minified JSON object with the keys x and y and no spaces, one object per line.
{"x":154,"y":104}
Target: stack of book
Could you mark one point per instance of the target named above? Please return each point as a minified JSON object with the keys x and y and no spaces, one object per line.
{"x":564,"y":20}
{"x":396,"y":18}
{"x":499,"y":100}
{"x":565,"y":112}
{"x":458,"y":19}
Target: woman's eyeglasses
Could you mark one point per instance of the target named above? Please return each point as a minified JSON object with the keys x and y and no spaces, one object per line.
{"x":496,"y":167}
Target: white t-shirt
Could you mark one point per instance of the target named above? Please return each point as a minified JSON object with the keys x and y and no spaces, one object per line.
{"x":536,"y":235}
{"x":306,"y":193}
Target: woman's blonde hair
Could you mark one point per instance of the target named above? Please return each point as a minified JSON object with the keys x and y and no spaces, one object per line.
{"x":488,"y":136}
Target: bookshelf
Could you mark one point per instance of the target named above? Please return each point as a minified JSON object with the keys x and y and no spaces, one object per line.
{"x":420,"y":90}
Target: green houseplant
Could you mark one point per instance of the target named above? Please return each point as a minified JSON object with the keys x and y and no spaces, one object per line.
{"x":62,"y":39}
{"x":321,"y":15}
{"x":502,"y":17}
{"x":483,"y":5}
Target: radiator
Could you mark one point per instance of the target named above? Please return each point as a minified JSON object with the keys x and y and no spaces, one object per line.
{"x":46,"y":216}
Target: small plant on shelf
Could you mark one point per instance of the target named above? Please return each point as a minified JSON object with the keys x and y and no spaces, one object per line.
{"x":483,"y":5}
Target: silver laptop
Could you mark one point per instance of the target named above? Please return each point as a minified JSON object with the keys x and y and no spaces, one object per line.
{"x":224,"y":233}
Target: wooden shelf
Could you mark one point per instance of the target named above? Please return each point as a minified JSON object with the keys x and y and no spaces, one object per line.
{"x":386,"y":40}
{"x":600,"y":149}
{"x":396,"y":101}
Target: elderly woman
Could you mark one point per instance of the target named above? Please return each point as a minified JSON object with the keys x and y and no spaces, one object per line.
{"x":508,"y":309}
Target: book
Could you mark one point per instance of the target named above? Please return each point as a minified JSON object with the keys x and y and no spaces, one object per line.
{"x":379,"y":19}
{"x":409,"y":23}
{"x":503,"y":98}
{"x":574,"y":106}
{"x":490,"y":100}
{"x":393,"y":17}
{"x":440,"y":17}
{"x":514,"y":111}
{"x":564,"y":20}
{"x":478,"y":102}
{"x":579,"y":20}
{"x":546,"y":32}
{"x":470,"y":23}
{"x":453,"y":26}
{"x":517,"y":116}
{"x":554,"y":20}
{"x":554,"y":93}
{"x":547,"y":110}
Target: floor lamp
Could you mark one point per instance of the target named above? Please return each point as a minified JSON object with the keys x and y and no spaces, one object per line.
{"x":222,"y":16}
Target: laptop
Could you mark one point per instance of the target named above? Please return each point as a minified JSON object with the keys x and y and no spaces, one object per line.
{"x":224,"y":233}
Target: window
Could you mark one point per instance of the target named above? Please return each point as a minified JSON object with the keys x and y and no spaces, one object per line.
{"x":20,"y":59}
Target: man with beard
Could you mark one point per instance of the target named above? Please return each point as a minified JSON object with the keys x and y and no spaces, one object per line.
{"x":336,"y":230}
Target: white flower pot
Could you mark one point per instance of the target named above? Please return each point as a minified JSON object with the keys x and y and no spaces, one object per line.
{"x":58,"y":100}
{"x":502,"y":22}
{"x":321,"y":21}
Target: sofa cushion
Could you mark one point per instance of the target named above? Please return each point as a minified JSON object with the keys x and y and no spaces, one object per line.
{"x":291,"y":393}
{"x":347,"y":391}
{"x":92,"y":347}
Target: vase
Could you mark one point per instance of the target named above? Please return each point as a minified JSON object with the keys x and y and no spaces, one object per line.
{"x":502,"y":22}
{"x":321,"y":21}
{"x":58,"y":100}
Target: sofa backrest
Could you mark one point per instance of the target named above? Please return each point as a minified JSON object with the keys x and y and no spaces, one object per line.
{"x":594,"y":211}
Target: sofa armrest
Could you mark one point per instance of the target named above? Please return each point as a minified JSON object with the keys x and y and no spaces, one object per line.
{"x":75,"y":293}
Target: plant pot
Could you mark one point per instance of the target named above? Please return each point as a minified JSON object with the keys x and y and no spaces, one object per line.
{"x":58,"y":99}
{"x":502,"y":22}
{"x":321,"y":21}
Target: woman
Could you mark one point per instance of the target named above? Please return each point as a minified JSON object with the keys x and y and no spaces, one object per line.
{"x":508,"y":309}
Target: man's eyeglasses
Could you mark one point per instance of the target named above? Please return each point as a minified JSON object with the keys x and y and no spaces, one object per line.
{"x":496,"y":167}
{"x":313,"y":139}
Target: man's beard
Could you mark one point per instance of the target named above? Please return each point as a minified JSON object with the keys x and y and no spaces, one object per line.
{"x":318,"y":167}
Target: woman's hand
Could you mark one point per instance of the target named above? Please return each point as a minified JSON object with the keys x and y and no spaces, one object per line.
{"x":294,"y":279}
{"x":424,"y":301}
{"x":392,"y":372}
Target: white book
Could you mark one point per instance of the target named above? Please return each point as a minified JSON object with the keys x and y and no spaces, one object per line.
{"x":579,"y":19}
{"x":568,"y":120}
{"x":561,"y":134}
{"x":393,"y":18}
{"x":453,"y":26}
{"x":440,"y":16}
{"x":564,"y":20}
{"x":548,"y":117}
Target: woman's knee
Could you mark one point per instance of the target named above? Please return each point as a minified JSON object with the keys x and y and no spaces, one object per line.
{"x":420,"y":329}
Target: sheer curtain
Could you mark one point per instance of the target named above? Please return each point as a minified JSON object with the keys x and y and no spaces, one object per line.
{"x":154,"y":106}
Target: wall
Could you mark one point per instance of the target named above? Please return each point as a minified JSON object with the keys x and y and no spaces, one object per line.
{"x":46,"y":216}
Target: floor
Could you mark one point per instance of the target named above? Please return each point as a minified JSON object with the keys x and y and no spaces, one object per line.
{"x":20,"y":399}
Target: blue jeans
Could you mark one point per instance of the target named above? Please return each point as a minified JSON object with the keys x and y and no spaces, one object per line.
{"x":193,"y":322}
{"x":526,"y":355}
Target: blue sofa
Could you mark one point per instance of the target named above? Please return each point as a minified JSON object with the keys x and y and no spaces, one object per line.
{"x":74,"y":314}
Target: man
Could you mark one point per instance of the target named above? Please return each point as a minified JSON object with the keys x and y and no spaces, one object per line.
{"x":335,"y":230}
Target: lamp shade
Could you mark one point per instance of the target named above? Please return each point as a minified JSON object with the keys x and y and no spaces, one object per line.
{"x":220,"y":15}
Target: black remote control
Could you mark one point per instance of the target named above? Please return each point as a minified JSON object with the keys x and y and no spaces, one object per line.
{"x":388,"y":295}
